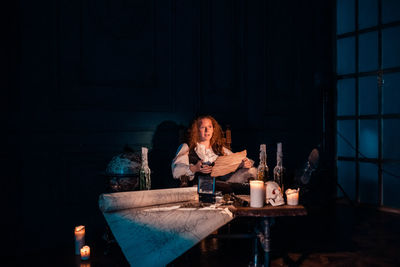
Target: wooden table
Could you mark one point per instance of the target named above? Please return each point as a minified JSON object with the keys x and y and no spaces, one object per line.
{"x":264,"y":216}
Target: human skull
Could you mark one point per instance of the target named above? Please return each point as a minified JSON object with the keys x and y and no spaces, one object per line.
{"x":274,"y":194}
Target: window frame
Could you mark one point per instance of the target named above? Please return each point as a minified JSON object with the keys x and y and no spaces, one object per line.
{"x":379,"y":117}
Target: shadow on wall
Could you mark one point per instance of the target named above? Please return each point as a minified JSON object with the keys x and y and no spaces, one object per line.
{"x":166,"y":140}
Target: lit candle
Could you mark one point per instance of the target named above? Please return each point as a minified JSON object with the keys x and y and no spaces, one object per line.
{"x":292,"y":196}
{"x":257,"y":194}
{"x":79,"y":238}
{"x":85,"y":252}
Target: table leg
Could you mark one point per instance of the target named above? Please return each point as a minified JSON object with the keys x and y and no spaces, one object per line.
{"x":264,"y":237}
{"x":254,"y":262}
{"x":255,"y":251}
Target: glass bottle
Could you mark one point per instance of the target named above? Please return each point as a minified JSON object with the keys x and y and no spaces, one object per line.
{"x":263,"y":170}
{"x":145,"y":180}
{"x":279,"y":170}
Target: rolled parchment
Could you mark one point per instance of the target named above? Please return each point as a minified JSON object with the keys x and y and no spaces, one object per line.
{"x":136,"y":199}
{"x":155,"y":235}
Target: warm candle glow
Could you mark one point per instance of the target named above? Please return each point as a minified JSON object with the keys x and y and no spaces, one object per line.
{"x":257,"y":194}
{"x":292,"y":196}
{"x":79,"y":238}
{"x":85,"y":252}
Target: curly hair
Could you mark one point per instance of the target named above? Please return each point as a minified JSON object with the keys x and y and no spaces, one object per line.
{"x":216,"y":142}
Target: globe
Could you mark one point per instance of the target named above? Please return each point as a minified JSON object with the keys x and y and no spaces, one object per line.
{"x":123,"y":172}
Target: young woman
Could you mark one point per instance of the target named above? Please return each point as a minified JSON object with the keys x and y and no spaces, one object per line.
{"x":205,"y":146}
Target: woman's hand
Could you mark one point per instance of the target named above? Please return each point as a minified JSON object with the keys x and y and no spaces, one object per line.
{"x":199,"y":167}
{"x":246,"y":163}
{"x":195,"y":167}
{"x":205,"y":169}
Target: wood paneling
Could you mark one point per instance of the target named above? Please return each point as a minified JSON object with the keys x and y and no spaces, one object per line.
{"x":98,"y":75}
{"x":114,"y":54}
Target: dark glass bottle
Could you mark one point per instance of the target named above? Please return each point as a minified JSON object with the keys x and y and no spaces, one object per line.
{"x":279,"y":170}
{"x":263,"y":170}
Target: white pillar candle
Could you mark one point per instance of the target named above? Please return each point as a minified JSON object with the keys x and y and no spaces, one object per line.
{"x":85,"y":252}
{"x":79,"y":238}
{"x":257,"y":194}
{"x":292,"y":196}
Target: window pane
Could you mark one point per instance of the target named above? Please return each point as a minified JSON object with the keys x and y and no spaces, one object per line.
{"x":390,"y":47}
{"x":345,"y":16}
{"x":390,"y":10}
{"x":391,"y":93}
{"x":368,"y":52}
{"x":346,"y":97}
{"x":367,"y":13}
{"x":369,"y":183}
{"x":391,"y":136}
{"x":391,"y":185}
{"x":347,"y":179}
{"x":346,"y":138}
{"x":368,"y":138}
{"x":368,"y":95}
{"x":346,"y":55}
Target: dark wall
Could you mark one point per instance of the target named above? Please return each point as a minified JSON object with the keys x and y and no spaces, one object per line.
{"x":90,"y":77}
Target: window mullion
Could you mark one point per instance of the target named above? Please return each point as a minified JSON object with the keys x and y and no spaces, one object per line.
{"x":380,"y":106}
{"x":357,"y":121}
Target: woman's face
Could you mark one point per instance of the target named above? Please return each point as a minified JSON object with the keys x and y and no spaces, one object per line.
{"x":206,"y":129}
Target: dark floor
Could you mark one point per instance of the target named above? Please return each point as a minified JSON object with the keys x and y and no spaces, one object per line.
{"x":341,"y":236}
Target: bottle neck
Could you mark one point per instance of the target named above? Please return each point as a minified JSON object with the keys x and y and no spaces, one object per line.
{"x":263,"y":158}
{"x":279,"y":154}
{"x":144,"y":157}
{"x":145,"y":165}
{"x":279,"y":159}
{"x":144,"y":161}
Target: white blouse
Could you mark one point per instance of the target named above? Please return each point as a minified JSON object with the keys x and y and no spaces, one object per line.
{"x":180,"y":164}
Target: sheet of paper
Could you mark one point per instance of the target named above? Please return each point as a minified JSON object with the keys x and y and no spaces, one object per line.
{"x":227,"y":164}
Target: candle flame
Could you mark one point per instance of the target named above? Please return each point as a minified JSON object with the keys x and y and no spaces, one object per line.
{"x":79,"y":228}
